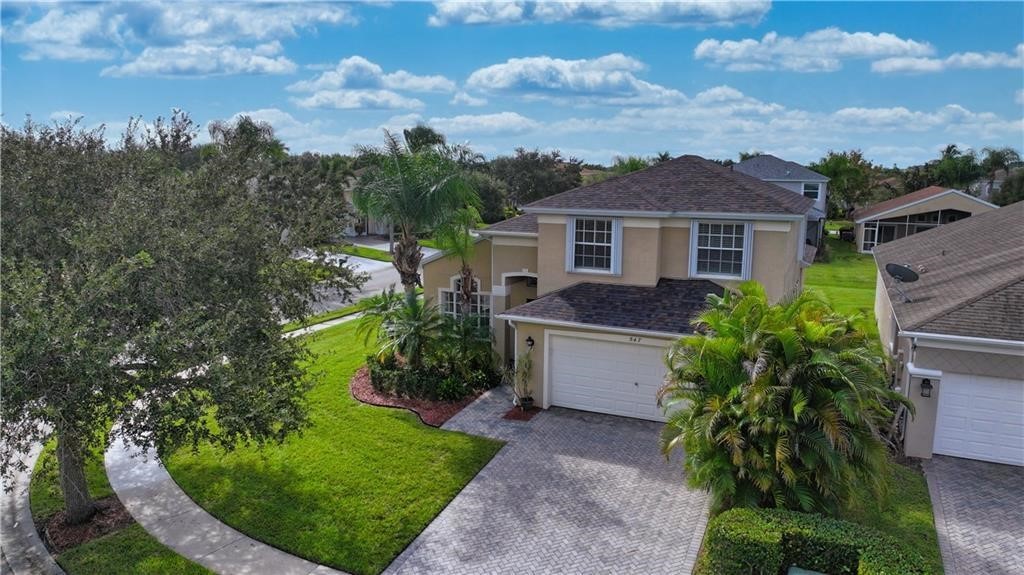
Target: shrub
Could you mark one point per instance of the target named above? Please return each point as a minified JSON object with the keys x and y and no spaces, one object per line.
{"x":451,"y":388}
{"x":769,"y":541}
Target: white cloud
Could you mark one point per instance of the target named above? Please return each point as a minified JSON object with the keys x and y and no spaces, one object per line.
{"x":357,"y":99}
{"x":356,"y":72}
{"x":609,"y":79}
{"x":195,"y":59}
{"x":101,"y":31}
{"x":959,"y":60}
{"x":500,"y":123}
{"x":606,"y":14}
{"x":467,"y":99}
{"x":818,"y":51}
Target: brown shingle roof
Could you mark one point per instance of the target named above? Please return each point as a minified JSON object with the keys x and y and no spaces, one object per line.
{"x":524,"y":224}
{"x":899,"y":202}
{"x":685,"y":184}
{"x":970,"y":276}
{"x":666,"y":308}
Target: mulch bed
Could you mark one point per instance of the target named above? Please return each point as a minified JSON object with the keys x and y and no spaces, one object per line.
{"x":110,"y":516}
{"x":433,"y":413}
{"x":516,"y":414}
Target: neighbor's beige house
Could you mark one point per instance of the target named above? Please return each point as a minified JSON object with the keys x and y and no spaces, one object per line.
{"x":956,"y":335}
{"x":912,"y":213}
{"x":595,"y":282}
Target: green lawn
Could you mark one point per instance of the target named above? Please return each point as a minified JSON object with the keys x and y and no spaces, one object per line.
{"x":128,"y":551}
{"x":363,"y":252}
{"x":321,"y":318}
{"x":352,"y":491}
{"x":848,"y":280}
{"x":905,"y":515}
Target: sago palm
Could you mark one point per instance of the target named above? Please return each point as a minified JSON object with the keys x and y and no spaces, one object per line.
{"x":417,"y":190}
{"x":778,"y":405}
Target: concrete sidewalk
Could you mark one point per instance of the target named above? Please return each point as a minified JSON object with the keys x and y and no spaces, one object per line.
{"x":168,"y":514}
{"x":23,"y":552}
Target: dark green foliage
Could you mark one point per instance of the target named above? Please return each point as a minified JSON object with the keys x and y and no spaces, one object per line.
{"x":850,"y":180}
{"x":452,"y":388}
{"x":532,"y":174}
{"x":779,"y":405}
{"x":769,"y":541}
{"x":1012,"y":190}
{"x":125,"y":270}
{"x":390,"y":376}
{"x":628,"y":164}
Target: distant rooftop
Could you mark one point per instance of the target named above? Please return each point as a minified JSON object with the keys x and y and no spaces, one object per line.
{"x":769,"y":168}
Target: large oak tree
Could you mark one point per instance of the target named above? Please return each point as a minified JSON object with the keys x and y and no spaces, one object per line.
{"x":145,"y":285}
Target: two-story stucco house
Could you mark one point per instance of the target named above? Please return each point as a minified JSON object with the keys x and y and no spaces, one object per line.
{"x":595,"y":282}
{"x":956,"y":335}
{"x":797,"y":179}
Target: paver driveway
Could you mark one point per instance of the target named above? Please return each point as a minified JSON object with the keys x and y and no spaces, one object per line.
{"x":572,"y":492}
{"x":979,"y":515}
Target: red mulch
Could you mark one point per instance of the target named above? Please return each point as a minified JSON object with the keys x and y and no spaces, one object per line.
{"x":110,"y":516}
{"x":516,"y":414}
{"x":433,"y":413}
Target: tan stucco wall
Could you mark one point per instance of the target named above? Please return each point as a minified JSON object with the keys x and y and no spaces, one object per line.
{"x":650,"y":253}
{"x":536,"y":331}
{"x":511,"y":259}
{"x":947,"y":202}
{"x":639,"y":259}
{"x":437,"y":274}
{"x":884,"y":319}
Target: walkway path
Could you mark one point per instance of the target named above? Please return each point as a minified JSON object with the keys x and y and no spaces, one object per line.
{"x":169,"y":515}
{"x":23,"y":552}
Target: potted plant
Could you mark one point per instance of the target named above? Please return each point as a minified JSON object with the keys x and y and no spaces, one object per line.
{"x":522,"y":396}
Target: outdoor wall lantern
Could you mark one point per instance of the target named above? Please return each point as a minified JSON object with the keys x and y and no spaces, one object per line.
{"x":926,"y":388}
{"x":529,"y":342}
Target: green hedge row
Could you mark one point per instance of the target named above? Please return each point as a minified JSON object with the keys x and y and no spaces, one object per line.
{"x":770,"y":541}
{"x":429,"y":382}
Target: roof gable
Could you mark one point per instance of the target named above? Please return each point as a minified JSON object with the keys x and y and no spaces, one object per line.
{"x":768,"y":167}
{"x":687,"y":184}
{"x":906,"y":200}
{"x":969,"y":275}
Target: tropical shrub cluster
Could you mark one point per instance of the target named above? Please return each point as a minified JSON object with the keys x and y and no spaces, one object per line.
{"x":769,"y":541}
{"x":779,"y":405}
{"x":424,"y":354}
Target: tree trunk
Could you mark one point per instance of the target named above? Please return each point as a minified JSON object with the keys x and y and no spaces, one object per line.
{"x":77,"y":501}
{"x":406,"y":260}
{"x":466,"y":293}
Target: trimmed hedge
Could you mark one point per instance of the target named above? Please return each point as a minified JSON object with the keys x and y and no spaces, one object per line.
{"x":432,"y":382}
{"x":770,"y":541}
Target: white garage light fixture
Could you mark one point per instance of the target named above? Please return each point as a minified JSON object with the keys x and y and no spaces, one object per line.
{"x":926,"y":388}
{"x":529,"y":341}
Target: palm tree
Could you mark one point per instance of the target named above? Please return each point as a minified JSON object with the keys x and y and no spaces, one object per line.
{"x":402,"y":324}
{"x":778,"y":405}
{"x":997,"y":159}
{"x":456,"y":239}
{"x":417,"y":191}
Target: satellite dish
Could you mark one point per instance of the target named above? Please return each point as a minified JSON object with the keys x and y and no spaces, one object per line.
{"x":901,"y":274}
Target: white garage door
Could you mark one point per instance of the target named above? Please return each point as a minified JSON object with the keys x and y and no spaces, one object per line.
{"x":606,"y":376}
{"x":980,"y":418}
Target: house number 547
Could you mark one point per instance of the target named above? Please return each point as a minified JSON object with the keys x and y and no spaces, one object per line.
{"x":635,"y":339}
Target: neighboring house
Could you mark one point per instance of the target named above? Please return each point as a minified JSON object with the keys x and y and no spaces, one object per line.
{"x":364,"y":225}
{"x":957,"y":340}
{"x":912,"y":213}
{"x":985,"y":188}
{"x":796,"y":178}
{"x":595,"y":282}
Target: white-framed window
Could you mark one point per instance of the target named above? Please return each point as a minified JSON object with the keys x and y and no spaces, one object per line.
{"x":593,"y":245}
{"x":720,"y":249}
{"x":479,"y":303}
{"x":812,"y":190}
{"x":870,"y":236}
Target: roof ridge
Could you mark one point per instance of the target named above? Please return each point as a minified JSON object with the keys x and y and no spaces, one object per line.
{"x":707,"y":165}
{"x":998,"y":287}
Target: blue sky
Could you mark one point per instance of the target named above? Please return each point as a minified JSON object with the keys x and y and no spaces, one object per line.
{"x":596,"y":80}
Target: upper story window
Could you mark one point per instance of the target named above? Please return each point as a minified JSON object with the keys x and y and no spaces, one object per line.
{"x":479,"y":303}
{"x":720,"y":250}
{"x":812,"y":190}
{"x":594,"y":245}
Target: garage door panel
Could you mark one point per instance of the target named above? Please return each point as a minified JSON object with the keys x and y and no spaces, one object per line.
{"x":980,"y":418}
{"x":606,"y":376}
